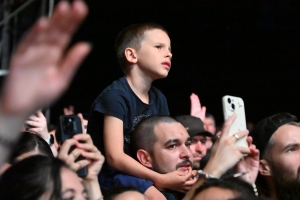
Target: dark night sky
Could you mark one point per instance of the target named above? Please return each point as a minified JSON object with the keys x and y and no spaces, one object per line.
{"x":241,"y":48}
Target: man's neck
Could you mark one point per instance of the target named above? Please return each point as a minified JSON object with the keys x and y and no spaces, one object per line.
{"x":272,"y":189}
{"x":140,"y":85}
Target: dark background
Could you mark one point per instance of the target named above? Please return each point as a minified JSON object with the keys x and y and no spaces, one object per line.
{"x":241,"y":48}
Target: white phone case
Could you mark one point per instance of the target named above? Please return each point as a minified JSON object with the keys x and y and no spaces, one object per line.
{"x":235,"y":105}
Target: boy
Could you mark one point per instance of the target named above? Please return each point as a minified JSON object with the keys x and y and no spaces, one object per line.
{"x":144,"y":54}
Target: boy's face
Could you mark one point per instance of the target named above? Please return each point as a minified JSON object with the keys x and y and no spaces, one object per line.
{"x":154,"y":56}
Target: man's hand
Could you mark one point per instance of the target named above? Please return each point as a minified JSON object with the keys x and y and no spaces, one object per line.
{"x":249,"y":164}
{"x":225,"y":154}
{"x":40,"y":69}
{"x":196,"y":109}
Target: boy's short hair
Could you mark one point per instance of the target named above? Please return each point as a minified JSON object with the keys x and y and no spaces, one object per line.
{"x":132,"y":36}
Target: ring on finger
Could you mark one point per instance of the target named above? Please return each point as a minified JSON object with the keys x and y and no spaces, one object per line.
{"x":236,"y":136}
{"x":75,"y":154}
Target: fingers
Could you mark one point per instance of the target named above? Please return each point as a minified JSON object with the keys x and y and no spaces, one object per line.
{"x":73,"y":58}
{"x":93,"y":156}
{"x":239,"y":135}
{"x":84,"y":138}
{"x":249,"y":141}
{"x":243,"y":150}
{"x":227,"y":125}
{"x":64,"y":150}
{"x":87,"y":147}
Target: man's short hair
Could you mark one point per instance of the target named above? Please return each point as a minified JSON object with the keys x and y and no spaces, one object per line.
{"x":264,"y":130}
{"x":143,"y":136}
{"x":209,"y":115}
{"x":132,"y":36}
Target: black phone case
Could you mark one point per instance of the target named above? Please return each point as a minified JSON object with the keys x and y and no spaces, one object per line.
{"x":70,"y":125}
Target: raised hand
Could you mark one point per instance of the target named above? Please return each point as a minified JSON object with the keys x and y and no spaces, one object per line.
{"x":196,"y":109}
{"x":38,"y":125}
{"x":40,"y":69}
{"x":225,"y":154}
{"x":249,"y":164}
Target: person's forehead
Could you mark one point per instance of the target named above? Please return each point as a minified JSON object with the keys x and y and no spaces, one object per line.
{"x":156,"y":35}
{"x":167,"y":131}
{"x":208,"y":120}
{"x":286,"y":134}
{"x":198,"y":137}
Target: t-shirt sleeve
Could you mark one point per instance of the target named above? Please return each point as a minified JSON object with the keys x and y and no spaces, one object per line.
{"x":112,"y":103}
{"x":164,"y":105}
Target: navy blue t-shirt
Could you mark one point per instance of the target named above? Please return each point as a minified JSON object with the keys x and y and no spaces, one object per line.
{"x":120,"y":101}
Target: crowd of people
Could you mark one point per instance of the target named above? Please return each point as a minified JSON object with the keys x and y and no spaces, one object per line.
{"x":130,"y":148}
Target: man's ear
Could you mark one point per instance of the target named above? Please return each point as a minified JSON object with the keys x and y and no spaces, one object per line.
{"x":264,"y":168}
{"x":144,"y":158}
{"x":130,"y":55}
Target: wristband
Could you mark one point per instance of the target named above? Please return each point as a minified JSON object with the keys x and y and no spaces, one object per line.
{"x":206,"y":175}
{"x":50,"y":139}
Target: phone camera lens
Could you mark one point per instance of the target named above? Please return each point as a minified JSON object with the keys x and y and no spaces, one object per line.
{"x":229,"y":100}
{"x":232,"y":106}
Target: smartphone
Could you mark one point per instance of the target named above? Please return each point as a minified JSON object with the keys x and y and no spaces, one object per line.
{"x":235,"y":105}
{"x":70,"y":125}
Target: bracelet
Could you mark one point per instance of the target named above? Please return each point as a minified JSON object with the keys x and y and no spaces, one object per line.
{"x":207,"y":176}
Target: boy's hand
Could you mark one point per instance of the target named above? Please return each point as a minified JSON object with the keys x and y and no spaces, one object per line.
{"x":196,"y":109}
{"x":40,"y":69}
{"x":181,"y":181}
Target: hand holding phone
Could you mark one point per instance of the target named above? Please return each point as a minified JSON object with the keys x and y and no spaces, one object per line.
{"x":235,"y":105}
{"x":69,"y":126}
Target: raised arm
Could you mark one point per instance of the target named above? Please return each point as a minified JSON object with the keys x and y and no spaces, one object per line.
{"x":40,"y":69}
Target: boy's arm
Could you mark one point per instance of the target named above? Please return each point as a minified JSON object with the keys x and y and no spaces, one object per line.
{"x":115,"y":156}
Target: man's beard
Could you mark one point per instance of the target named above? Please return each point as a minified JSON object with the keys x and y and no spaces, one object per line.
{"x":287,"y":186}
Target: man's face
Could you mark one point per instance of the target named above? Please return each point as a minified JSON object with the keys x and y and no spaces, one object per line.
{"x":198,"y":148}
{"x":209,"y":125}
{"x":154,"y":56}
{"x":171,"y":151}
{"x":285,"y":160}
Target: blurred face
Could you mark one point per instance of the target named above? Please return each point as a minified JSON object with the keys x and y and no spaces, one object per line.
{"x":154,"y":56}
{"x":284,"y":161}
{"x":130,"y":195}
{"x":72,"y":189}
{"x":171,"y":150}
{"x":198,"y":149}
{"x":215,"y":193}
{"x":209,"y":125}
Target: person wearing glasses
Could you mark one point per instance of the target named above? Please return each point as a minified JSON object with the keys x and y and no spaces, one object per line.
{"x":278,"y":139}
